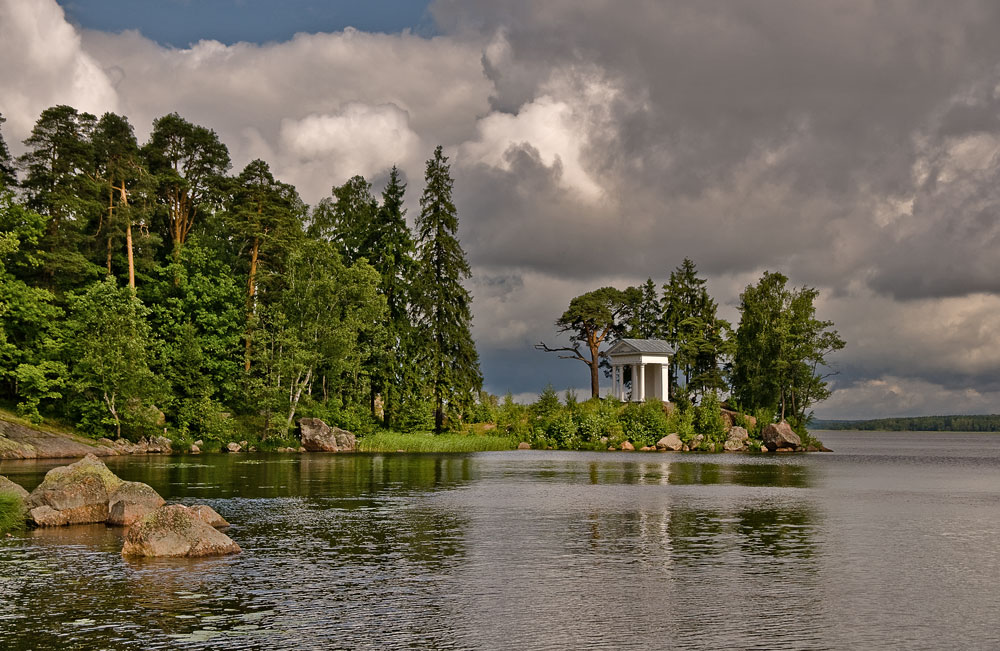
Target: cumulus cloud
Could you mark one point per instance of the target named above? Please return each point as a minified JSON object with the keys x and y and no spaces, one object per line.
{"x":44,"y":65}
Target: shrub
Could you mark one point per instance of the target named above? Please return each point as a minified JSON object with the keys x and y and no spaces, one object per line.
{"x":644,"y":423}
{"x":708,"y":418}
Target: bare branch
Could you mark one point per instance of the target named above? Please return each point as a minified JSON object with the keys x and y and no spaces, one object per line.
{"x":575,"y":350}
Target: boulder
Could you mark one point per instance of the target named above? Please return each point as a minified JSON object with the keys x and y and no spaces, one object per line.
{"x":780,"y":436}
{"x":738,"y":434}
{"x":209,"y":516}
{"x":734,"y":445}
{"x":317,"y":436}
{"x":524,"y":445}
{"x":233,"y":447}
{"x":132,"y":501}
{"x":763,"y":448}
{"x":7,"y":486}
{"x":194,"y":449}
{"x":159,"y":444}
{"x":46,"y":516}
{"x":670,"y":442}
{"x":628,"y":447}
{"x":647,"y":448}
{"x":79,"y":491}
{"x":176,"y":530}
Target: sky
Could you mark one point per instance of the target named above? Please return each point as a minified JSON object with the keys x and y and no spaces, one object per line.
{"x":850,"y":144}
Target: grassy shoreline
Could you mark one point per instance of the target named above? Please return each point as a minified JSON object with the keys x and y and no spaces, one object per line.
{"x":427,"y":442}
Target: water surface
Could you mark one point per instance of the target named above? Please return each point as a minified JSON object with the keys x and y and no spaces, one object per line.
{"x":889,"y":542}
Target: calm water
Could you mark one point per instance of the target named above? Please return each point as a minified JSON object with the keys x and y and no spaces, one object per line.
{"x":890,"y":542}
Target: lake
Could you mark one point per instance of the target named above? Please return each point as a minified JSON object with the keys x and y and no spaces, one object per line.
{"x":891,"y":541}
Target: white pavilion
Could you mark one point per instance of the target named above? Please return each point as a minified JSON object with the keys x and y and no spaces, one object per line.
{"x":649,"y":360}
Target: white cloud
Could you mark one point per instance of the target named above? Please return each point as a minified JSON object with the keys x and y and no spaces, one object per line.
{"x":45,"y":65}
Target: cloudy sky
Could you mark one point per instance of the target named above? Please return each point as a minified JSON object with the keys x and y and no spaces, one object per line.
{"x":850,"y":144}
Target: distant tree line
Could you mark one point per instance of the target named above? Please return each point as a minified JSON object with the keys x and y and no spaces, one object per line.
{"x":143,"y":286}
{"x":978,"y":423}
{"x":773,"y":363}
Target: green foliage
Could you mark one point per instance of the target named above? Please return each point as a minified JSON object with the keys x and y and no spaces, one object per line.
{"x":780,"y":347}
{"x":11,"y":512}
{"x":954,"y":423}
{"x":708,"y":418}
{"x":644,"y":423}
{"x":38,"y":382}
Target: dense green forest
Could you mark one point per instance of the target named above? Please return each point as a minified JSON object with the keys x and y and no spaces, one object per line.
{"x":979,"y":423}
{"x":150,"y":287}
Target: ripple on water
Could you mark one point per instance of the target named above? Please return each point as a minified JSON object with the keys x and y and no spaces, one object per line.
{"x":503,"y":551}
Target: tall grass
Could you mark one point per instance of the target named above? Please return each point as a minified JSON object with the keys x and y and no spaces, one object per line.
{"x":425,"y":442}
{"x":11,"y":512}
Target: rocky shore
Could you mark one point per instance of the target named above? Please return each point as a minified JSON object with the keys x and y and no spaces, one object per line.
{"x":87,"y":492}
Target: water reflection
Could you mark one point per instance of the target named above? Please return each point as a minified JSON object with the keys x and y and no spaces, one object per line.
{"x":523,"y":550}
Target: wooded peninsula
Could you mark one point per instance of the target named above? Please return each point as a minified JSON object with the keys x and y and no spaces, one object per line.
{"x":147,"y":290}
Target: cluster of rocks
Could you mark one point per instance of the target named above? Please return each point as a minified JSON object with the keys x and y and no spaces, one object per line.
{"x":777,"y":437}
{"x":151,"y":445}
{"x":88,"y":492}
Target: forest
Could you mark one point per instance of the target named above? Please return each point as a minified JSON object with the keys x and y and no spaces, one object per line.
{"x":973,"y":423}
{"x":148,"y":287}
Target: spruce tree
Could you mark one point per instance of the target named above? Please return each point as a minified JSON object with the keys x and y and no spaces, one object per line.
{"x":390,"y":251}
{"x":442,"y":306}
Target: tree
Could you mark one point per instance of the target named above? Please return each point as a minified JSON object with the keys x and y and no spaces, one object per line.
{"x":442,"y":306}
{"x":691,"y":326}
{"x":59,"y":183}
{"x":780,"y":346}
{"x":119,"y":169}
{"x":642,"y":312}
{"x":188,"y":163}
{"x":8,"y":178}
{"x":348,"y":219}
{"x":591,"y":318}
{"x":110,"y":341}
{"x":390,"y":248}
{"x":266,"y":215}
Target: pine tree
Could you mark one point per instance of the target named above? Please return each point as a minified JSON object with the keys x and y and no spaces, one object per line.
{"x":442,"y":306}
{"x":60,"y":184}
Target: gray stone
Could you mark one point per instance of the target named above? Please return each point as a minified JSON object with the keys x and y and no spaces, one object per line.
{"x":737,"y":433}
{"x":233,"y":447}
{"x":670,"y":442}
{"x":176,"y":530}
{"x":780,"y":435}
{"x":209,"y":516}
{"x":194,"y":449}
{"x":80,"y":491}
{"x":159,"y":445}
{"x":628,"y":447}
{"x":734,"y":445}
{"x":524,"y":445}
{"x":132,"y":501}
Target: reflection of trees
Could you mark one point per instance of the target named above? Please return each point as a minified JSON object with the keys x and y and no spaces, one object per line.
{"x":777,"y":532}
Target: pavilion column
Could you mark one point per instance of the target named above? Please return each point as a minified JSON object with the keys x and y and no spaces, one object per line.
{"x":642,"y":382}
{"x":614,"y":380}
{"x":635,"y":382}
{"x":665,"y":382}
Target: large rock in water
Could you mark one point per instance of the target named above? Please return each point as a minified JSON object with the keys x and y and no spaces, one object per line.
{"x":78,"y":493}
{"x":317,"y":436}
{"x":132,"y":501}
{"x":781,"y":436}
{"x":176,"y":530}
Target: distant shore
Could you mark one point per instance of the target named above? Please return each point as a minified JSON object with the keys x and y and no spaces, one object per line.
{"x":953,"y":423}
